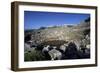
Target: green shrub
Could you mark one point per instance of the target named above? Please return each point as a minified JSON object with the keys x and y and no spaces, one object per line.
{"x":37,"y":55}
{"x":27,"y":56}
{"x":34,"y":55}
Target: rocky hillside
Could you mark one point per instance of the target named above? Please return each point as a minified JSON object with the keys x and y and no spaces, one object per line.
{"x":58,"y":35}
{"x":67,"y":42}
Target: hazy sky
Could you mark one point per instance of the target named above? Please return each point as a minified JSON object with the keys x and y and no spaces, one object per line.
{"x":36,"y":19}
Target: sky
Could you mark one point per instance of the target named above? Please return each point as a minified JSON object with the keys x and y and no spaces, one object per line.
{"x":36,"y":19}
